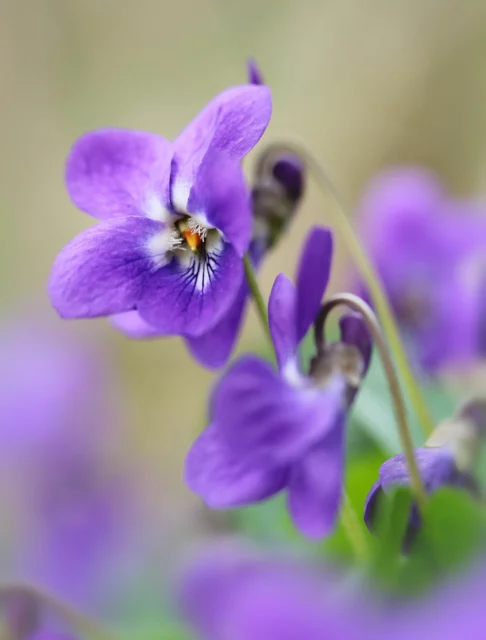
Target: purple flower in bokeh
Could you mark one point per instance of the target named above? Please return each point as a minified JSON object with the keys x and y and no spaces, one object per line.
{"x":69,"y":510}
{"x":284,"y":430}
{"x":429,"y":252}
{"x":50,"y":635}
{"x":275,"y":195}
{"x":232,"y":593}
{"x":175,"y":219}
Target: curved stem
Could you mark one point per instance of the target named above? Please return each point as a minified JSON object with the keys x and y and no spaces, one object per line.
{"x":353,"y":528}
{"x":86,"y":626}
{"x":357,"y":304}
{"x":372,"y":281}
{"x":257,"y":296}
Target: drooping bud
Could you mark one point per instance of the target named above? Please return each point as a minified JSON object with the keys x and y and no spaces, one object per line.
{"x":277,"y":190}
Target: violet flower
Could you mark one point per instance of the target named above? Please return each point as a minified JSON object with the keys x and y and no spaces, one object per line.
{"x":243,"y":596}
{"x":284,"y":430}
{"x":429,"y":252}
{"x":446,"y":460}
{"x":50,"y":635}
{"x":175,"y":219}
{"x":278,"y":187}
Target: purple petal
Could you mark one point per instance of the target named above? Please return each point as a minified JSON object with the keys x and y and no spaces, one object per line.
{"x":316,"y":483}
{"x":225,"y":477}
{"x":212,"y":349}
{"x":233,"y":122}
{"x":371,"y":503}
{"x":134,"y":326}
{"x":313,"y":277}
{"x":282,"y":306}
{"x":116,"y":172}
{"x":190,"y":298}
{"x":354,"y":332}
{"x":260,"y":413}
{"x":436,"y":466}
{"x":104,"y":269}
{"x":254,"y":73}
{"x":220,"y":195}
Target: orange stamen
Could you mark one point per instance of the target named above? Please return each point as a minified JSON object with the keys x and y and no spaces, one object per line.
{"x":192,"y":238}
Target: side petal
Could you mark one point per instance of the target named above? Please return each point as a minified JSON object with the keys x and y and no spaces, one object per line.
{"x":233,"y":122}
{"x":192,"y":293}
{"x":223,"y":477}
{"x":260,"y":413}
{"x":134,"y":326}
{"x":104,"y":269}
{"x":316,"y":483}
{"x":312,"y":277}
{"x":221,"y":198}
{"x":282,"y":307}
{"x":117,"y":172}
{"x":354,"y":332}
{"x":212,"y":349}
{"x":371,"y":504}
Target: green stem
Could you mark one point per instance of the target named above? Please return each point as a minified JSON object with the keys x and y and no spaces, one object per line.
{"x":354,"y":529}
{"x":372,"y":281}
{"x":357,"y":304}
{"x":86,"y":626}
{"x":261,"y":307}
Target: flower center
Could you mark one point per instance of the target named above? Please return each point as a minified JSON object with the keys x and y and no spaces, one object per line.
{"x":192,"y":233}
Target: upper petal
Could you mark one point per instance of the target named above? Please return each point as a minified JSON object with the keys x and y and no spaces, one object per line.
{"x":233,"y":122}
{"x":282,"y":307}
{"x":316,"y":484}
{"x":117,"y":172}
{"x":225,"y":477}
{"x":192,"y":293}
{"x":104,"y":269}
{"x":220,"y":196}
{"x":258,"y":412}
{"x":312,"y":277}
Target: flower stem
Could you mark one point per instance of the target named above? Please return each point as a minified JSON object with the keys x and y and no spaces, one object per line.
{"x":353,"y":528}
{"x":261,"y":307}
{"x":357,"y":304}
{"x":87,"y":627}
{"x":375,"y":287}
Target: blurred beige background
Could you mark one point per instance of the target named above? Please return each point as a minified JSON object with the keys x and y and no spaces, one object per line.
{"x":362,"y":82}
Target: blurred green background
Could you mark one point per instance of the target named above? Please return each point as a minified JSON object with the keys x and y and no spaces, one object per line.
{"x":362,"y":84}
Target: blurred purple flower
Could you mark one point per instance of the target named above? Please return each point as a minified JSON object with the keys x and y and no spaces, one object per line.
{"x":175,"y":219}
{"x":50,"y":635}
{"x":243,"y":596}
{"x":72,"y":511}
{"x":274,"y":430}
{"x":429,"y":252}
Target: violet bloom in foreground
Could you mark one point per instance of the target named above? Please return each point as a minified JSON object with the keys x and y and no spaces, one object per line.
{"x":429,"y":251}
{"x":446,"y":460}
{"x":274,"y":430}
{"x":240,"y":595}
{"x":276,"y":192}
{"x":175,"y":219}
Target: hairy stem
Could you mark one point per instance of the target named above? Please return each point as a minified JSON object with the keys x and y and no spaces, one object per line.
{"x":261,"y":307}
{"x":87,"y":627}
{"x":372,"y":281}
{"x":357,"y":304}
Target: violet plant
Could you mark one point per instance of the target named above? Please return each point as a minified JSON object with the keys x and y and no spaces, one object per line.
{"x":176,"y":252}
